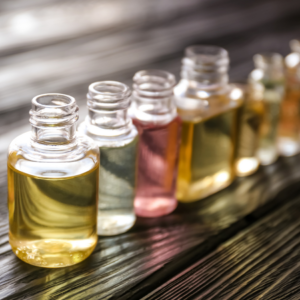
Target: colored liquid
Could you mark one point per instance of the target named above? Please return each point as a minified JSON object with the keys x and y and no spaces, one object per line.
{"x":52,"y":220}
{"x":207,"y":153}
{"x":289,"y":133}
{"x":117,"y":185}
{"x":157,"y":168}
{"x":249,"y":122}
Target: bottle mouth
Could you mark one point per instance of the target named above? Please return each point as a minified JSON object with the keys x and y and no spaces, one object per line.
{"x":53,"y":109}
{"x":268,"y":60}
{"x":108,"y":95}
{"x":154,"y":83}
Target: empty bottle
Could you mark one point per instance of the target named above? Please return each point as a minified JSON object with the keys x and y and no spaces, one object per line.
{"x":208,"y":107}
{"x":108,"y":124}
{"x":53,"y":187}
{"x":154,"y":114}
{"x":266,"y":84}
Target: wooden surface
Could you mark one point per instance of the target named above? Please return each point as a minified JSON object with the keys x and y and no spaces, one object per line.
{"x":238,"y":244}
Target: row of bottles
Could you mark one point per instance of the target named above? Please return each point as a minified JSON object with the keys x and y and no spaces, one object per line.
{"x":138,"y":153}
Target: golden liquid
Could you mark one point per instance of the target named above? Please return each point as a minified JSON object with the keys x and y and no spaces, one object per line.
{"x":206,"y":160}
{"x":53,"y":221}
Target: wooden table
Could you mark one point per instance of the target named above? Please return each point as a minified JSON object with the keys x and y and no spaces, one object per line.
{"x":241,"y":243}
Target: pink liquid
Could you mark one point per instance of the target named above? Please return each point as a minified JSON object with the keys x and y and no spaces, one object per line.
{"x":157,"y":168}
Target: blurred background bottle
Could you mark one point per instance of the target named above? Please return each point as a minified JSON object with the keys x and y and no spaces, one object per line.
{"x":53,"y":187}
{"x":249,"y":122}
{"x":266,"y":84}
{"x":289,"y":130}
{"x":208,"y":107}
{"x":154,"y":114}
{"x":108,"y":124}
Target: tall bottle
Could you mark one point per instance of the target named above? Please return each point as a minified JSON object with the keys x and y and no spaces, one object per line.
{"x":266,"y":84}
{"x":208,"y":107}
{"x":52,"y":187}
{"x":249,"y":123}
{"x":154,"y":114}
{"x":108,"y":124}
{"x":289,"y":126}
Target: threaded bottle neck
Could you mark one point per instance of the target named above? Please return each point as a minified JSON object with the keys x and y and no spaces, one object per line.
{"x":153,"y":98}
{"x":108,"y":102}
{"x":53,"y":118}
{"x":206,"y":65}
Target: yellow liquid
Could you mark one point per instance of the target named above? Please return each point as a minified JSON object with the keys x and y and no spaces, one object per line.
{"x":52,"y":220}
{"x":207,"y":153}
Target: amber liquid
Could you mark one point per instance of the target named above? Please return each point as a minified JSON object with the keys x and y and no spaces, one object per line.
{"x":207,"y":153}
{"x":53,"y":221}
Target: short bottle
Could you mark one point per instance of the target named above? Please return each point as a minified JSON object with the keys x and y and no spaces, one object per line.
{"x":154,"y":114}
{"x":208,"y":106}
{"x":109,"y":125}
{"x":266,"y":84}
{"x":53,"y":187}
{"x":289,"y":124}
{"x":249,"y":122}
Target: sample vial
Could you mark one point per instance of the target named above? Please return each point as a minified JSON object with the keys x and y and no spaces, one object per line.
{"x":108,"y":124}
{"x":208,"y":107}
{"x":53,"y":187}
{"x":154,"y":114}
{"x":289,"y":126}
{"x":249,"y":122}
{"x":266,"y":84}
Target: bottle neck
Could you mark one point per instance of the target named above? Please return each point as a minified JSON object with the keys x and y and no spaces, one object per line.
{"x":153,"y":99}
{"x":205,"y":67}
{"x":108,"y":103}
{"x":53,"y":119}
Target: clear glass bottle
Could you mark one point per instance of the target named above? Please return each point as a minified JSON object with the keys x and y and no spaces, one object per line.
{"x":249,"y":122}
{"x":289,"y":126}
{"x":108,"y":124}
{"x":154,"y":114}
{"x":266,"y":83}
{"x":208,"y":107}
{"x":52,"y":187}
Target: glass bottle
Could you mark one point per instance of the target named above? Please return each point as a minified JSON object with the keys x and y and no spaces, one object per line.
{"x":52,"y":187}
{"x":249,"y":121}
{"x":289,"y":127}
{"x":266,"y":83}
{"x":108,"y":124}
{"x":208,"y":107}
{"x":154,"y":114}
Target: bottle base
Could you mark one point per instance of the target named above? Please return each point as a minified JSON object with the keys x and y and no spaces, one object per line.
{"x":267,"y":156}
{"x":151,"y":207}
{"x":288,"y":146}
{"x":53,"y":253}
{"x":246,"y":166}
{"x":191,"y":192}
{"x":114,"y":224}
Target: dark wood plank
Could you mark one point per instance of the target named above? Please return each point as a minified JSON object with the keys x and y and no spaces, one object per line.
{"x":262,"y":262}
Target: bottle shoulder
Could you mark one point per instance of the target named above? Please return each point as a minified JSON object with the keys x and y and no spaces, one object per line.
{"x":24,"y":157}
{"x":112,"y":141}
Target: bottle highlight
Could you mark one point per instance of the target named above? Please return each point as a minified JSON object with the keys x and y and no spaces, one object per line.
{"x":53,"y":187}
{"x":208,"y":107}
{"x":289,"y":123}
{"x":154,"y":114}
{"x":109,"y":125}
{"x":266,"y":83}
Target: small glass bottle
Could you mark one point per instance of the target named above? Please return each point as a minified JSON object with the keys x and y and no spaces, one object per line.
{"x":266,"y":84}
{"x":208,"y":107}
{"x":108,"y":124}
{"x":289,"y":126}
{"x":154,"y":114}
{"x":53,"y":187}
{"x":249,"y":122}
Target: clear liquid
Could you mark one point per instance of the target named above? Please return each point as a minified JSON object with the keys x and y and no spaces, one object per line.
{"x":52,"y":220}
{"x":157,"y":168}
{"x":117,"y":185}
{"x":207,"y":153}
